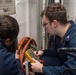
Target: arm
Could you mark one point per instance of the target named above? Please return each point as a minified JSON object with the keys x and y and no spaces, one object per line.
{"x":11,"y":65}
{"x":70,"y":63}
{"x":54,"y":70}
{"x":58,"y":70}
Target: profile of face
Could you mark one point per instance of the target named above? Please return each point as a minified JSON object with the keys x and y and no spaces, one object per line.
{"x":48,"y":25}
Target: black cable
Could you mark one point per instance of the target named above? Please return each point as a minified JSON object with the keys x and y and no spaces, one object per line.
{"x":67,"y":52}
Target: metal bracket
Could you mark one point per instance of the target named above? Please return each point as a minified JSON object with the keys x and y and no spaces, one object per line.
{"x":26,"y":66}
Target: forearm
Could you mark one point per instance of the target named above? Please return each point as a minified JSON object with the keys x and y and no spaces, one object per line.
{"x":58,"y":70}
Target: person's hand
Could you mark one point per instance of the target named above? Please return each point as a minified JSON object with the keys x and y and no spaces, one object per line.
{"x":38,"y":53}
{"x":37,"y":66}
{"x":17,"y":54}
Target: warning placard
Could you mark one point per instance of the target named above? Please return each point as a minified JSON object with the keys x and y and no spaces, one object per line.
{"x":7,"y":7}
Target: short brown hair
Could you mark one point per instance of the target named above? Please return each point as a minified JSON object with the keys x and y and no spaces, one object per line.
{"x":55,"y":11}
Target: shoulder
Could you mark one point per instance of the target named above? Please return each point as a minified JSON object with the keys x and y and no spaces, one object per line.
{"x":8,"y":64}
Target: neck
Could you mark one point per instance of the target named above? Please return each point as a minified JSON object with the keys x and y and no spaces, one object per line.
{"x":63,"y":30}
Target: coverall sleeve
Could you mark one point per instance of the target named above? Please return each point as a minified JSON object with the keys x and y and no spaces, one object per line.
{"x":58,"y":70}
{"x":11,"y":66}
{"x":70,"y":63}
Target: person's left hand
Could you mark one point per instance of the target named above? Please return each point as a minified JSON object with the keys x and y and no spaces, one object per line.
{"x":37,"y":66}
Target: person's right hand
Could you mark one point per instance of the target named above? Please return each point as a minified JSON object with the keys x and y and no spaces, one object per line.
{"x":39,"y":53}
{"x":37,"y":66}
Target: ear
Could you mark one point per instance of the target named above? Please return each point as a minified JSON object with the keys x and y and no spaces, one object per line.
{"x":55,"y":23}
{"x":7,"y":42}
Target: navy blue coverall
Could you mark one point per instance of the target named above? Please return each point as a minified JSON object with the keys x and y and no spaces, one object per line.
{"x":8,"y":64}
{"x":56,"y":63}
